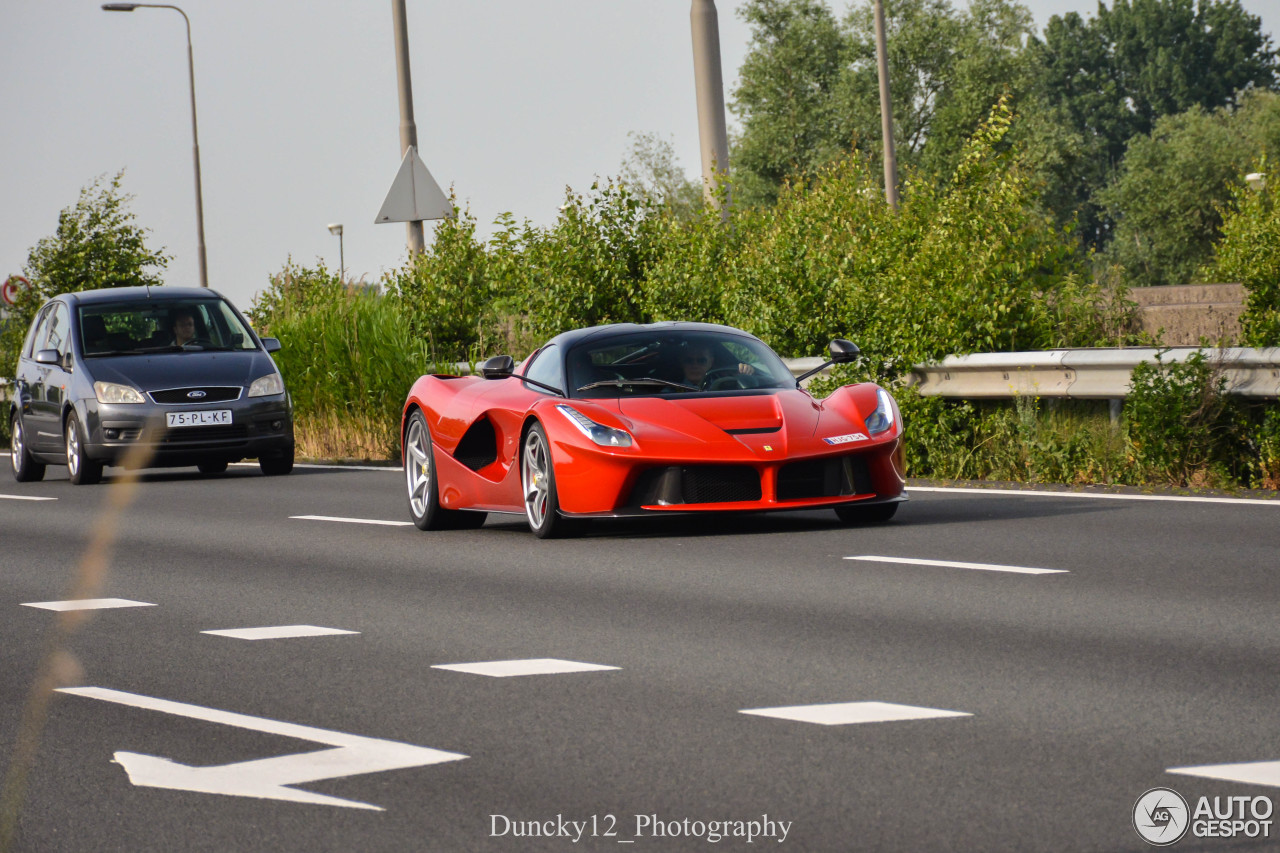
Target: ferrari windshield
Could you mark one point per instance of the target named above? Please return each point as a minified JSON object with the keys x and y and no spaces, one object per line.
{"x":673,"y":362}
{"x":147,"y":326}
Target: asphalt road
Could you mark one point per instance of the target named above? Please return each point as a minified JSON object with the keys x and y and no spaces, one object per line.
{"x":1155,"y":644}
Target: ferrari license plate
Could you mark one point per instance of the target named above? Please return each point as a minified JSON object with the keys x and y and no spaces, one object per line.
{"x":187,"y":419}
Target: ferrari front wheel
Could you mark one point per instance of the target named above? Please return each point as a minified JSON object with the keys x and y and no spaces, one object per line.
{"x":420,"y":481}
{"x":874,"y":514}
{"x":538,"y":480}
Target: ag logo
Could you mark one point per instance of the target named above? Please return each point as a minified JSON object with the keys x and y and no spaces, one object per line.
{"x":1161,"y":817}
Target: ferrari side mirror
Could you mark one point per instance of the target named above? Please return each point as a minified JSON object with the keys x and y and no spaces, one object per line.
{"x":843,"y":352}
{"x":498,"y":367}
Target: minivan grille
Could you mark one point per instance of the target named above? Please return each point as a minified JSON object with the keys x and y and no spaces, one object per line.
{"x":204,"y":394}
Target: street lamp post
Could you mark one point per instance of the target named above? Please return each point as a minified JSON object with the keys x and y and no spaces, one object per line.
{"x":195,"y":136}
{"x":336,"y":229}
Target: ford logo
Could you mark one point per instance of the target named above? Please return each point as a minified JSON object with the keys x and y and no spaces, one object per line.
{"x":195,"y":395}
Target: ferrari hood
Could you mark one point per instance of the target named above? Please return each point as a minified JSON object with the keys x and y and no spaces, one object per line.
{"x":712,"y":418}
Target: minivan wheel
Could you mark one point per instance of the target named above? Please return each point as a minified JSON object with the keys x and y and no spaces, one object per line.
{"x":24,"y":466}
{"x":83,"y":470}
{"x":212,"y":466}
{"x":278,"y":463}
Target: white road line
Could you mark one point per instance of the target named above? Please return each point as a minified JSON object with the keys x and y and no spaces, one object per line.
{"x":399,"y":469}
{"x":1096,"y":496}
{"x":87,"y":604}
{"x":352,"y":520}
{"x":25,"y":498}
{"x":847,"y":713}
{"x":950,"y":564}
{"x":278,"y":632}
{"x":536,"y":666}
{"x":1251,"y":773}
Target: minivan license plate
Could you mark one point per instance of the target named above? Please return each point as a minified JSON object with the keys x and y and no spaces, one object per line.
{"x":186,"y":419}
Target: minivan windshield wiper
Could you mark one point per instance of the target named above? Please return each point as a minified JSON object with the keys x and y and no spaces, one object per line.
{"x":113,"y":352}
{"x":188,"y":348}
{"x":623,"y":383}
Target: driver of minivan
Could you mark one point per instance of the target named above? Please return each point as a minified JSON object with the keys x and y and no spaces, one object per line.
{"x":183,"y":326}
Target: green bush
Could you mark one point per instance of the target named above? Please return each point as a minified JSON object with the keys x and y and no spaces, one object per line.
{"x":1182,"y":426}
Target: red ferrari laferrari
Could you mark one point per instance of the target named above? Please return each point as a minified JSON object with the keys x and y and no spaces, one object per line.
{"x":629,"y":420}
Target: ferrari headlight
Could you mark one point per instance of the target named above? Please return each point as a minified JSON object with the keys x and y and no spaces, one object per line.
{"x":113,"y":392}
{"x":267,"y":385}
{"x":881,"y":419}
{"x":599,"y":433}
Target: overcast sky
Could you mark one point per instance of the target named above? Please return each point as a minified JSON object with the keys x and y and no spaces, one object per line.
{"x":299,"y":119}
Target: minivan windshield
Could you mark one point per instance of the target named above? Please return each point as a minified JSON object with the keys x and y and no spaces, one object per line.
{"x":192,"y":325}
{"x":674,"y":362}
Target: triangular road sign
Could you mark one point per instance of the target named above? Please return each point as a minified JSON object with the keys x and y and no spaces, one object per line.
{"x":414,"y":194}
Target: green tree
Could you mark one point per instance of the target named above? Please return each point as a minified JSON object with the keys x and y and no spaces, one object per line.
{"x":1173,"y":184}
{"x":1249,"y":253}
{"x":652,"y":170}
{"x":97,"y":244}
{"x":809,"y":87}
{"x":784,"y":97}
{"x":1109,"y":78}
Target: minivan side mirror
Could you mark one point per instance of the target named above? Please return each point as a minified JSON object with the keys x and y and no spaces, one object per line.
{"x":498,"y":367}
{"x":48,"y":356}
{"x":271,"y":344}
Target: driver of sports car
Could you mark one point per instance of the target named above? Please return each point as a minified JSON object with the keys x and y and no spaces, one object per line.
{"x":696,"y":360}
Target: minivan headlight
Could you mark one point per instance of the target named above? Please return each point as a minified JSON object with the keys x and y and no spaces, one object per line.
{"x":599,"y":433}
{"x":881,"y":419}
{"x":267,"y":386}
{"x":113,"y":392}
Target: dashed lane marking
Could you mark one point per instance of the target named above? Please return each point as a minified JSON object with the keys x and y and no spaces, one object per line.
{"x":87,"y":604}
{"x":278,"y":632}
{"x":353,"y":520}
{"x":985,"y":567}
{"x":535,"y":666}
{"x":25,"y":498}
{"x":848,"y":713}
{"x":1251,"y":773}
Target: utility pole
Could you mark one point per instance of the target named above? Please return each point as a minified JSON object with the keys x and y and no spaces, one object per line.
{"x":886,"y":112}
{"x":408,"y":130}
{"x":709,"y":83}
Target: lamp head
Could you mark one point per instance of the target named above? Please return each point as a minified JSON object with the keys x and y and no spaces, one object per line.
{"x":335,"y":228}
{"x":119,"y":7}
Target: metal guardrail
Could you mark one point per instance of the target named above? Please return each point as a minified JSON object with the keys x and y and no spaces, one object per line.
{"x":1086,"y":374}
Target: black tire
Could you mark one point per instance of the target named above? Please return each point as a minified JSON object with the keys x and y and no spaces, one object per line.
{"x":422,"y":489}
{"x":275,"y":464}
{"x":212,"y":466}
{"x":81,"y":470}
{"x":24,"y":466}
{"x":538,"y":485}
{"x":874,"y":514}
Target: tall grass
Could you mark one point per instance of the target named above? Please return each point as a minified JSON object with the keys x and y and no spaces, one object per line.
{"x":349,"y":363}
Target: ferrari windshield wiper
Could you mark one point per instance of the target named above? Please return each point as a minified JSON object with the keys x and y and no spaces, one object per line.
{"x":622,"y":383}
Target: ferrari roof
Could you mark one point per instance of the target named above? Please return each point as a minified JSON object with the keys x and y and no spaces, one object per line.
{"x":577,"y":336}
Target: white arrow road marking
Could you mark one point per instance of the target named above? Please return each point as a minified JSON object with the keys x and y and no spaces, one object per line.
{"x":266,"y":778}
{"x":1253,"y":772}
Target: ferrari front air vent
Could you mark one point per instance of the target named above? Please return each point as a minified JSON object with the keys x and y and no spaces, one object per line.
{"x":479,"y":446}
{"x":696,"y":484}
{"x":824,"y":478}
